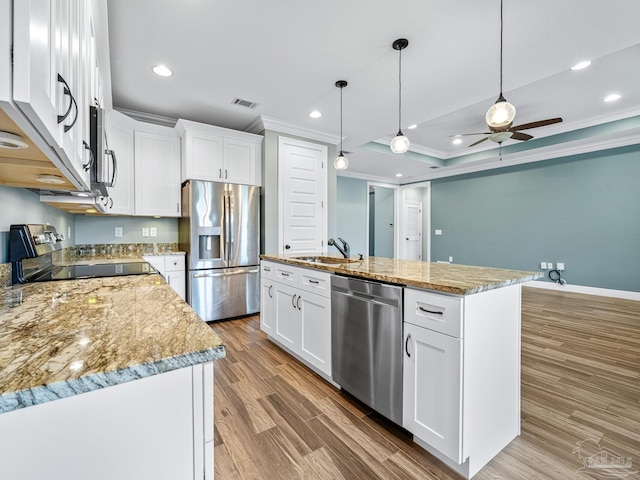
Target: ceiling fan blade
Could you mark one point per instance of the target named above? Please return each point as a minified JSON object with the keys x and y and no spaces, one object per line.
{"x":465,"y":134}
{"x":521,"y":136}
{"x":539,"y":123}
{"x":479,"y":141}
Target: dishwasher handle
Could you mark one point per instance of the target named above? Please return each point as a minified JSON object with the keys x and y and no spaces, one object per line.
{"x":389,"y":302}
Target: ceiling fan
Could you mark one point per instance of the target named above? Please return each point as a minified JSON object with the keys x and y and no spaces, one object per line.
{"x":500,"y":116}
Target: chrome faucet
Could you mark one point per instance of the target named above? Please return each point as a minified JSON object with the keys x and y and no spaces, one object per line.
{"x":345,"y":250}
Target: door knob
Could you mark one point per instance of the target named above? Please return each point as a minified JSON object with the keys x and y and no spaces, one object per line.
{"x":287,"y":247}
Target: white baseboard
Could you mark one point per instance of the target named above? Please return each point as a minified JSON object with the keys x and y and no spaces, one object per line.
{"x":603,"y":292}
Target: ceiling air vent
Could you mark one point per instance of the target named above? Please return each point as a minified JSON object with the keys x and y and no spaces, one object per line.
{"x":244,"y":103}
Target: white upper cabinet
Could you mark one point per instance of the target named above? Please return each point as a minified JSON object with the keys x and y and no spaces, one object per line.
{"x":120,"y":135}
{"x":49,"y":76}
{"x":157,"y":172}
{"x":218,"y":154}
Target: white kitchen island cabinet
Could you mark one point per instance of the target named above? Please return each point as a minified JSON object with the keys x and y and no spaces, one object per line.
{"x":117,"y":384}
{"x":461,"y":346}
{"x":461,"y":379}
{"x":296,"y":313}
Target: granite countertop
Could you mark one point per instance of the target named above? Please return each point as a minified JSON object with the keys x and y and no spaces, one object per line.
{"x":62,"y":338}
{"x":442,"y":277}
{"x":114,"y":257}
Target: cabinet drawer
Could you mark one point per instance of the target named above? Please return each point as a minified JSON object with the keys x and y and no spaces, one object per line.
{"x":174,"y":263}
{"x":315,"y":281}
{"x":286,"y":274}
{"x":436,"y":312}
{"x":266,"y":269}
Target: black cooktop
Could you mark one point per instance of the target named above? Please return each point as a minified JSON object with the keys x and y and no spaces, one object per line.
{"x":73,"y":272}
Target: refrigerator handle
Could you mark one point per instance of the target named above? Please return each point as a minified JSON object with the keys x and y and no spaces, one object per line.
{"x":227,"y":207}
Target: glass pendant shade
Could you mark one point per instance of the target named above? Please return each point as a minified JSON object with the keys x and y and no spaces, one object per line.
{"x":500,"y":114}
{"x":400,"y":143}
{"x":341,"y":162}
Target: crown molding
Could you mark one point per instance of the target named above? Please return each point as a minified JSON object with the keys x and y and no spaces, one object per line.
{"x":268,"y":123}
{"x":370,"y":178}
{"x":149,"y":117}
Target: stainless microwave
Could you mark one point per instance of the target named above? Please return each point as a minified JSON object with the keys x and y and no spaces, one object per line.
{"x":104,"y":166}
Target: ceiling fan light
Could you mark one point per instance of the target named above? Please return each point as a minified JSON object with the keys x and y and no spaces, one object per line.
{"x":500,"y":114}
{"x":341,"y":162}
{"x":400,"y":143}
{"x":500,"y":137}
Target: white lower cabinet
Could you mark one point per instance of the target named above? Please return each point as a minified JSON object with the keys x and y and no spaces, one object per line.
{"x":296,"y":312}
{"x":172,"y":268}
{"x":461,"y":379}
{"x":158,"y":427}
{"x":432,"y":390}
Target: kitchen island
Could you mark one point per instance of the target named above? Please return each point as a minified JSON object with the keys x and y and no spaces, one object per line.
{"x":105,"y":378}
{"x":458,"y":344}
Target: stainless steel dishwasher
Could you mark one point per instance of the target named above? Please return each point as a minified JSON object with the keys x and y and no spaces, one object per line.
{"x":366,"y":343}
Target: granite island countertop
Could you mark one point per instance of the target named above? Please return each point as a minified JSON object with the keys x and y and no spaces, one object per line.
{"x":441,"y":277}
{"x":63,"y":338}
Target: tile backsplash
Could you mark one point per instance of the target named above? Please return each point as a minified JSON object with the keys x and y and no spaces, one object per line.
{"x":5,"y":274}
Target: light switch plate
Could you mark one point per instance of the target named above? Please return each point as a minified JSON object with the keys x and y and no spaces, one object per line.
{"x":145,"y":232}
{"x":438,"y":231}
{"x":153,"y":232}
{"x":118,"y":232}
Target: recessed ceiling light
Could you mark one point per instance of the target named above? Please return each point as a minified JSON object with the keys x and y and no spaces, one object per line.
{"x":91,"y":210}
{"x":612,"y":97}
{"x":80,"y":194}
{"x":162,"y":70}
{"x":9,"y":140}
{"x":581,"y":65}
{"x":52,"y":179}
{"x":412,"y":127}
{"x":315,"y":114}
{"x":457,"y":141}
{"x":398,"y":175}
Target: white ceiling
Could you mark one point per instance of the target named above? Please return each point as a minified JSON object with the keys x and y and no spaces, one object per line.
{"x":286,"y":55}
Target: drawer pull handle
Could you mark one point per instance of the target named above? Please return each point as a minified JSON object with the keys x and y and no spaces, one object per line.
{"x":267,"y":269}
{"x":406,"y":345}
{"x":315,"y":282}
{"x":284,"y":274}
{"x":430,"y":311}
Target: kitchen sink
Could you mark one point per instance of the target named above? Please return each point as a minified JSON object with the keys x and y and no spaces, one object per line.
{"x":325,"y":260}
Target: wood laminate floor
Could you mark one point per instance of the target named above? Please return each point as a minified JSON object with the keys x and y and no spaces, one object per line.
{"x":276,"y":419}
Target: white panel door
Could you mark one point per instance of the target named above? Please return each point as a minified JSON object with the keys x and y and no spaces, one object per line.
{"x":412,"y":231}
{"x":302,"y":178}
{"x":432,"y":389}
{"x":315,"y":344}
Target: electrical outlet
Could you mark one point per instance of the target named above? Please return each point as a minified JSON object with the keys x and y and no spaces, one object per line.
{"x":68,"y":233}
{"x":560,"y":266}
{"x":153,"y":232}
{"x":543,"y":265}
{"x":550,"y":265}
{"x":438,"y":231}
{"x":145,"y":232}
{"x":118,"y":232}
{"x":450,"y":259}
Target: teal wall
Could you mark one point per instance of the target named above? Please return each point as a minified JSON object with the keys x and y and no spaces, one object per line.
{"x":351,"y":213}
{"x":101,"y":229}
{"x":582,"y":210}
{"x":19,"y":205}
{"x":383,"y":229}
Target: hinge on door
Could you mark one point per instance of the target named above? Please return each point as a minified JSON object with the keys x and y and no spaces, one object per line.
{"x":322,"y":243}
{"x":321,"y":203}
{"x":321,"y":165}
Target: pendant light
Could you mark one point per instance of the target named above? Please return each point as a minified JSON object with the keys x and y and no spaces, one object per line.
{"x":341,"y":162}
{"x":400,"y":143}
{"x":501,"y":113}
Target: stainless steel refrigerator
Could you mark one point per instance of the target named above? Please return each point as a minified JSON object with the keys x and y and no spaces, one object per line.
{"x":220,"y":231}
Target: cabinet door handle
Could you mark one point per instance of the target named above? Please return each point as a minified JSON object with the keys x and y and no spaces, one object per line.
{"x":225,"y":174}
{"x":430,"y":311}
{"x":293,"y":301}
{"x":269,"y":291}
{"x":406,"y":345}
{"x":298,"y":303}
{"x":177,"y":207}
{"x":67,"y":91}
{"x":88,"y":165}
{"x":111,"y":203}
{"x":287,"y":247}
{"x":219,"y":173}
